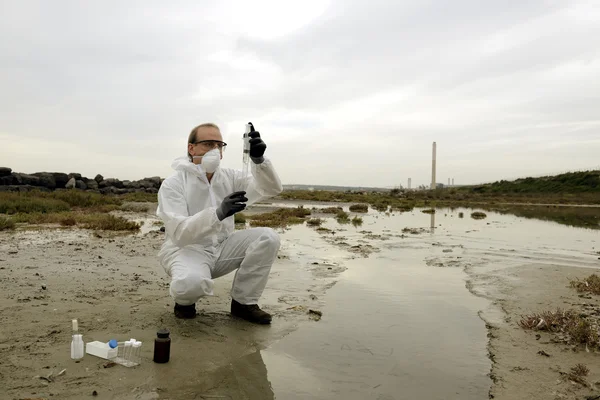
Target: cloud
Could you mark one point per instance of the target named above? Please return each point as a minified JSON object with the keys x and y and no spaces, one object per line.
{"x":344,"y":92}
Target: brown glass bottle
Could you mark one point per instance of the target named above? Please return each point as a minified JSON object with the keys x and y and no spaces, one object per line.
{"x":162,"y":346}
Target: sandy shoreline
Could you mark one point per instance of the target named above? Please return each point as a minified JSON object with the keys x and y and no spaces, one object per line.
{"x":113,"y":284}
{"x":519,"y":371}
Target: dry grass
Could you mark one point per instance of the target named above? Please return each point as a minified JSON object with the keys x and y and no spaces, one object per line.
{"x":590,"y":284}
{"x":96,"y":221}
{"x":138,"y":207}
{"x":580,"y":370}
{"x":577,"y":374}
{"x":573,"y":328}
{"x":478,"y":215}
{"x":280,"y":217}
{"x":6,"y":223}
{"x":359,"y":208}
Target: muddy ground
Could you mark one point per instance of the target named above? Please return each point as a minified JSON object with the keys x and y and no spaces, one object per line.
{"x":113,"y":285}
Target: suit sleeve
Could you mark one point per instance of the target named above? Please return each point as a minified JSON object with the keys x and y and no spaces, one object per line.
{"x":263,"y":182}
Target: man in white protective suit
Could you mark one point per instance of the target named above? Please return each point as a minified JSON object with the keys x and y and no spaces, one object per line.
{"x":197,"y":205}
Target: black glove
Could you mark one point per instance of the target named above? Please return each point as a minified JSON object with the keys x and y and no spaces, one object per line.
{"x":231,"y":204}
{"x":257,"y":146}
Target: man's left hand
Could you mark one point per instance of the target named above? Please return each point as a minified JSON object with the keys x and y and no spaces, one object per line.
{"x":257,"y":147}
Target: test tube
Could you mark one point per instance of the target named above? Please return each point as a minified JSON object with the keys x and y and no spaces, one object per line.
{"x":246,"y":149}
{"x":137,"y":349}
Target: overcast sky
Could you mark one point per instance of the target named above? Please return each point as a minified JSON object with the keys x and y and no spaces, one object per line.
{"x":344,"y":92}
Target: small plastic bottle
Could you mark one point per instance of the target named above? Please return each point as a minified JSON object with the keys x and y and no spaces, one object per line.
{"x":76,"y":342}
{"x":162,"y":346}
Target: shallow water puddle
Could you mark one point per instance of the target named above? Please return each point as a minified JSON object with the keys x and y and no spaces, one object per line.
{"x":396,"y":325}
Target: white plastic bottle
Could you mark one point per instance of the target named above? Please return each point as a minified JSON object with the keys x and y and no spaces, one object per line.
{"x":76,"y":343}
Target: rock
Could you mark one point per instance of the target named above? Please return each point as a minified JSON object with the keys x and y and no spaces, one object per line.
{"x":80,"y":185}
{"x":61,"y":179}
{"x":44,"y":287}
{"x":155,"y":181}
{"x":5,"y":171}
{"x":134,"y":185}
{"x":114,"y":182}
{"x":92,"y":184}
{"x":6,"y":180}
{"x":99,"y":178}
{"x":47,"y":180}
{"x":145,"y":184}
{"x":22,"y":188}
{"x":71,"y":184}
{"x":75,"y":175}
{"x":152,"y":190}
{"x":25,"y":179}
{"x":127,"y":184}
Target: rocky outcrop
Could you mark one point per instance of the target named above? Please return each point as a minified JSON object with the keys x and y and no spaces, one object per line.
{"x":48,"y":181}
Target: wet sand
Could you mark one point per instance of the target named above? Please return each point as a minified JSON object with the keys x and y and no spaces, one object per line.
{"x":429,"y":314}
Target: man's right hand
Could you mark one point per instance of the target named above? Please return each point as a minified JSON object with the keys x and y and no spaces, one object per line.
{"x":231,"y":204}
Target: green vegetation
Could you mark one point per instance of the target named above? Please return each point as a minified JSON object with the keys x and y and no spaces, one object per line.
{"x":239,"y":218}
{"x":342,"y":217}
{"x":359,"y":208}
{"x":69,"y":208}
{"x":357,"y":221}
{"x":6,"y":223}
{"x":314,"y":222}
{"x":571,"y":182}
{"x":569,"y":188}
{"x":478,"y":215}
{"x":331,"y":210}
{"x":280,"y":217}
{"x":428,"y":211}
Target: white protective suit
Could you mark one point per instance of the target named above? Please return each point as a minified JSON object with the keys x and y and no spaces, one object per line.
{"x":198,"y":247}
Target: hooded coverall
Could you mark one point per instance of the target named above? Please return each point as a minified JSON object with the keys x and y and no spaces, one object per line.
{"x":199,"y":248}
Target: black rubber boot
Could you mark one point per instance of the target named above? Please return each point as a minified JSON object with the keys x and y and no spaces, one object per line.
{"x":251,"y":313}
{"x":185,"y":312}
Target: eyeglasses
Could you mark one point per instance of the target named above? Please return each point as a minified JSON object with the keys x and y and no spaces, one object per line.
{"x":211,"y":144}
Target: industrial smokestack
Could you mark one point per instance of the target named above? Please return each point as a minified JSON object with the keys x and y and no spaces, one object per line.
{"x":452,"y":181}
{"x":448,"y":181}
{"x":409,"y":183}
{"x":433,"y":167}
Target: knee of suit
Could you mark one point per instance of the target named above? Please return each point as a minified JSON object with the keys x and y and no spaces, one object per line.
{"x":274,"y":242}
{"x":188,"y":290}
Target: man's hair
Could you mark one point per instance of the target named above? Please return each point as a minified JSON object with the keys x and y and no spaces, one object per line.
{"x":194,"y":133}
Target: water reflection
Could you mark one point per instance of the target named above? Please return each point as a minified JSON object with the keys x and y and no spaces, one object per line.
{"x":244,"y":378}
{"x":581,"y":217}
